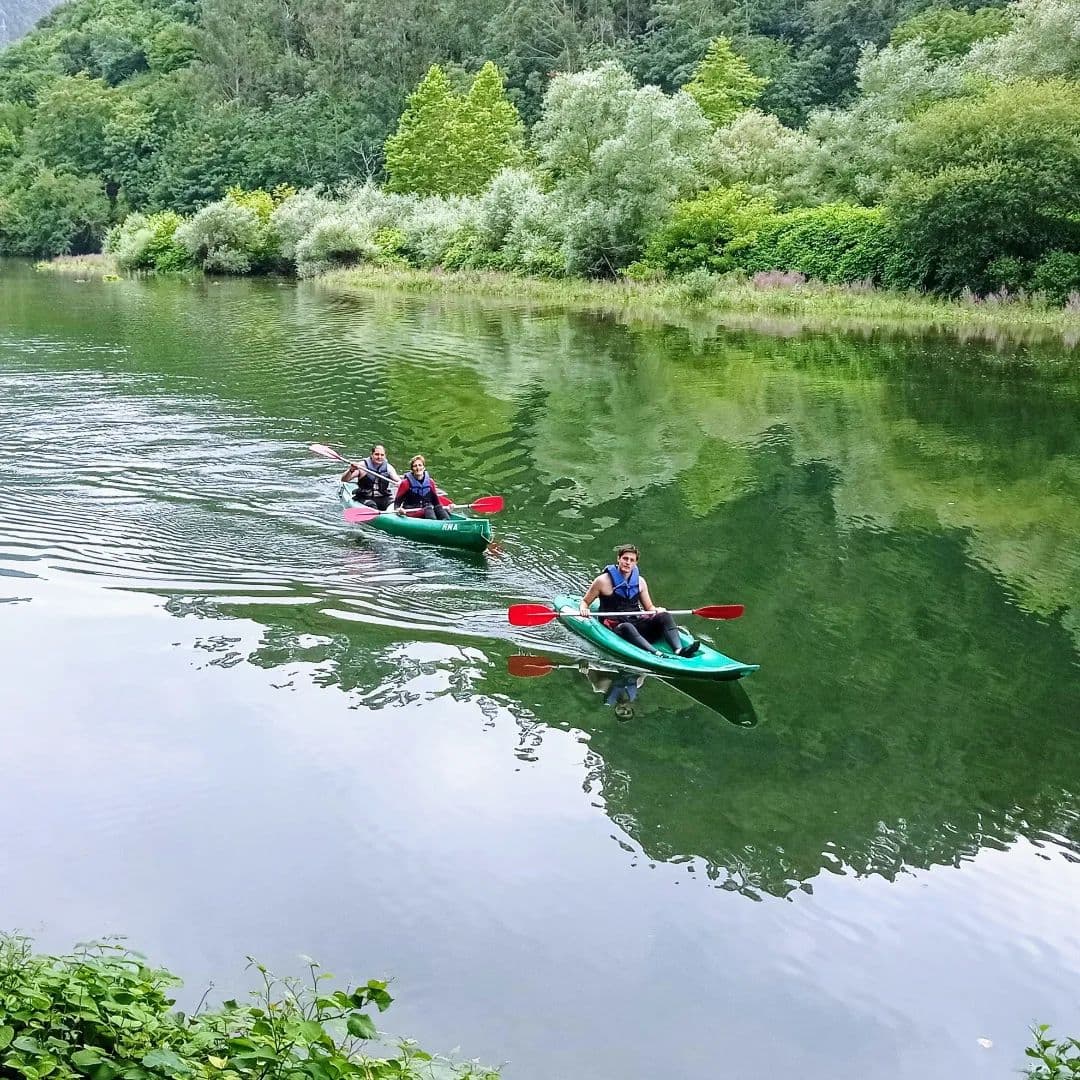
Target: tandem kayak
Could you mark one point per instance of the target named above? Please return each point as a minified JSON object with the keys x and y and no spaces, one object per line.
{"x":706,"y":663}
{"x":469,"y":534}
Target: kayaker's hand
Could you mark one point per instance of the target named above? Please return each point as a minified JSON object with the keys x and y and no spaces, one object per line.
{"x":583,"y":611}
{"x":399,"y":510}
{"x":658,"y":611}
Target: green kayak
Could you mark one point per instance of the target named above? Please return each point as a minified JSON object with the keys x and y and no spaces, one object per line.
{"x":706,"y":663}
{"x":469,"y":534}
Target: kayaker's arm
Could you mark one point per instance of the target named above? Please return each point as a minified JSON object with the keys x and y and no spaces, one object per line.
{"x":392,"y":473}
{"x":646,"y":599}
{"x":399,"y":496}
{"x":354,"y":470}
{"x":590,"y":596}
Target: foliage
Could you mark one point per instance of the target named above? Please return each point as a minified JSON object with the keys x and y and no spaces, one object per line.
{"x":617,"y":157}
{"x":233,"y":235}
{"x":338,"y":239}
{"x":1058,"y":1059}
{"x":945,"y":32}
{"x":104,"y":1012}
{"x":48,"y":213}
{"x":755,"y":151}
{"x":700,"y":230}
{"x":986,"y":177}
{"x":836,"y":244}
{"x":68,"y":132}
{"x":723,"y":83}
{"x":144,"y":242}
{"x":296,"y":216}
{"x":452,"y":144}
{"x":1044,"y":41}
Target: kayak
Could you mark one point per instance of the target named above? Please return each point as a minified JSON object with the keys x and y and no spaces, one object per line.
{"x":706,"y":663}
{"x":469,"y":534}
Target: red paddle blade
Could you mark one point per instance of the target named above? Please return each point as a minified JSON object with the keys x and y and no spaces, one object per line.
{"x":489,"y":504}
{"x":721,"y":611}
{"x":357,"y":515}
{"x":528,"y":667}
{"x":445,"y":500}
{"x":530,"y":614}
{"x":325,"y":451}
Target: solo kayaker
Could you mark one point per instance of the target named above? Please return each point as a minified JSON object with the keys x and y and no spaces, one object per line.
{"x":373,"y":477}
{"x":621,"y":588}
{"x":418,"y":490}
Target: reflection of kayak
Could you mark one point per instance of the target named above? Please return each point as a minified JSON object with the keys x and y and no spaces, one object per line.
{"x":726,"y":699}
{"x":707,"y":663}
{"x":472,"y":534}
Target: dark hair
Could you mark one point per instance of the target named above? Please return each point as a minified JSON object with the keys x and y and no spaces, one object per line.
{"x":375,"y":446}
{"x":625,"y":549}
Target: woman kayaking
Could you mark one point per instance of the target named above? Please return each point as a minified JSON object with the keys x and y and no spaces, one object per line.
{"x":418,"y":490}
{"x":621,"y":588}
{"x":373,"y":477}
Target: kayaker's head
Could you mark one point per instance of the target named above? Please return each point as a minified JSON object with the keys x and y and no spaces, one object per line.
{"x":378,"y":453}
{"x":626,"y":556}
{"x":418,"y":466}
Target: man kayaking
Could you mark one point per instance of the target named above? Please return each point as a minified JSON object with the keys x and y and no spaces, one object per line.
{"x":621,"y":588}
{"x":373,"y":476}
{"x":418,"y":489}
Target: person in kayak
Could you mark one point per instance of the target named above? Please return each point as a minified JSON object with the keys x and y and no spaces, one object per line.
{"x":417,"y":489}
{"x":373,"y":477}
{"x":621,"y":588}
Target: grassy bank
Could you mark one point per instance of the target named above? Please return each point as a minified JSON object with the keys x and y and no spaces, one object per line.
{"x":81,"y":266}
{"x":738,"y":303}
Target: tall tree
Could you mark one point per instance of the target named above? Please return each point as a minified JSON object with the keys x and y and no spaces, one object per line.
{"x":723,"y":84}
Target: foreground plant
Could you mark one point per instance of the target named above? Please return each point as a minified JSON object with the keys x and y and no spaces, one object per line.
{"x":103,"y":1012}
{"x":1058,"y":1059}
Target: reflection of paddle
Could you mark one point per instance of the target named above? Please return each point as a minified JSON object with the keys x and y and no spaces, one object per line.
{"x":357,"y":515}
{"x":530,"y":667}
{"x":541,"y":614}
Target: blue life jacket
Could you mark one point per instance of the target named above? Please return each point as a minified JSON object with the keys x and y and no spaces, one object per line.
{"x":421,"y":490}
{"x":625,"y":592}
{"x":366,"y":487}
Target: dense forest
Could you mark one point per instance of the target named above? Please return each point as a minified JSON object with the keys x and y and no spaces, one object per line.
{"x":877,"y":143}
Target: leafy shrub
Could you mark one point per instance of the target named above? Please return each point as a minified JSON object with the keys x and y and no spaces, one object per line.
{"x":1057,"y":275}
{"x":336,"y":240}
{"x":699,"y":230}
{"x":148,"y":242}
{"x":946,"y":33}
{"x":48,"y":213}
{"x":296,"y":216}
{"x":105,"y":1013}
{"x":835,"y":244}
{"x":434,"y":225}
{"x":234,"y":235}
{"x":697,"y":286}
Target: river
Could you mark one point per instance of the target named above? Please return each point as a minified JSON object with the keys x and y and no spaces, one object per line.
{"x":235,"y":726}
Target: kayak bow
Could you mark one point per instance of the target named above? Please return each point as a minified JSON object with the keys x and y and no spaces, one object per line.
{"x":468,"y":534}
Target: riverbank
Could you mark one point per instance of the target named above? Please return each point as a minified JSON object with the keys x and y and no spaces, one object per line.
{"x":737,"y":302}
{"x":87,"y":266}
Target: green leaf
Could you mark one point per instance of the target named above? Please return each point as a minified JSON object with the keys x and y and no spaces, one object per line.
{"x":7,"y":1033}
{"x":312,"y":1031}
{"x":27,"y":1044}
{"x":167,"y":1060}
{"x":89,"y":1055}
{"x":361,"y":1026}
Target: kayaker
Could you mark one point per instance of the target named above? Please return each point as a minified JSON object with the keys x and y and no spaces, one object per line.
{"x":621,"y":588}
{"x":373,"y":477}
{"x":418,"y":489}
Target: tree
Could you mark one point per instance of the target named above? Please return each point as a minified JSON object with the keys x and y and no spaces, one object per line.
{"x":723,"y":84}
{"x":449,"y":144}
{"x":617,"y":157}
{"x":52,"y":213}
{"x":946,"y":33}
{"x":69,"y":125}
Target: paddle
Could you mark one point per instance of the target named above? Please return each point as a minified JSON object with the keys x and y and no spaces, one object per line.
{"x":540,"y":614}
{"x":488,"y":504}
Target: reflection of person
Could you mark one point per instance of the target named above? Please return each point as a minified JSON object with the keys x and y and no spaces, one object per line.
{"x":621,"y":588}
{"x":373,"y":476}
{"x":419,"y":490}
{"x":620,"y":689}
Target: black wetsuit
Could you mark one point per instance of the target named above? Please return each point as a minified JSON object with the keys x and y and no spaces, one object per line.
{"x":642,"y":630}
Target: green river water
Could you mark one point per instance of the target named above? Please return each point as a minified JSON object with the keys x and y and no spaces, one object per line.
{"x":233,"y":725}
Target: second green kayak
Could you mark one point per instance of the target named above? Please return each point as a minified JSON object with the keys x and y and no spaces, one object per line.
{"x":706,"y":663}
{"x":469,"y":534}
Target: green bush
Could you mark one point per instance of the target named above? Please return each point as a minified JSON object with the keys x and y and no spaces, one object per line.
{"x":105,"y":1013}
{"x":1057,"y":275}
{"x":234,"y":235}
{"x":48,"y":213}
{"x":834,"y":244}
{"x":699,"y":231}
{"x":144,"y":242}
{"x":336,"y":240}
